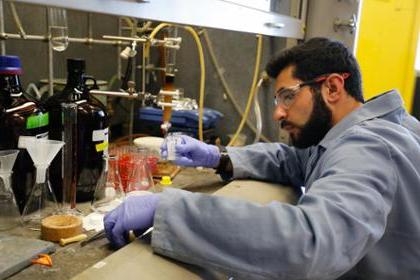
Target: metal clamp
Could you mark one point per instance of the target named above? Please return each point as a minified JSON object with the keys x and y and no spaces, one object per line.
{"x":174,"y":93}
{"x":350,"y":24}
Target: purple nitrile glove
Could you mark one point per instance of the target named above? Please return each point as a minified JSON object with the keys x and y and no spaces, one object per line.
{"x":135,"y":213}
{"x":192,"y":152}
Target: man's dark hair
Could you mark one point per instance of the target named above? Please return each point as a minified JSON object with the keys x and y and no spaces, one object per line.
{"x":316,"y":57}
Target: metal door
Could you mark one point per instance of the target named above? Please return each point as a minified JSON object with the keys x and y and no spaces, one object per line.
{"x":336,"y":19}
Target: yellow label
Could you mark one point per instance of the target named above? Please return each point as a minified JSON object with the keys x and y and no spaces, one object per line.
{"x":102,"y":146}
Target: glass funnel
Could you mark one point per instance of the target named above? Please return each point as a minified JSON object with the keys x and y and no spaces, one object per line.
{"x":42,"y":201}
{"x":9,"y":211}
{"x":108,"y":193}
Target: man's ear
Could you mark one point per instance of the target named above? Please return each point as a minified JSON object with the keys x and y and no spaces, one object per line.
{"x":334,"y":88}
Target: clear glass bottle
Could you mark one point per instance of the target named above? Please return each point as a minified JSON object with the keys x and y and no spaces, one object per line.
{"x":108,"y":193}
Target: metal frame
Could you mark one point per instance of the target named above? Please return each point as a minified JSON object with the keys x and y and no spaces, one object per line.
{"x":204,"y":13}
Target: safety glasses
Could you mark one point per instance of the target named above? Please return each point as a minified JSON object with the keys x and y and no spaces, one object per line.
{"x":287,"y":95}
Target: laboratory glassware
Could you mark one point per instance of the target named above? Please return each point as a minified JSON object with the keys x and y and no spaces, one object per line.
{"x":58,"y":29}
{"x":141,"y":176}
{"x":108,"y":193}
{"x":125,"y":163}
{"x":9,"y":211}
{"x":41,"y":202}
{"x":20,"y":116}
{"x":92,"y":127}
{"x":171,"y":140}
{"x":69,"y":158}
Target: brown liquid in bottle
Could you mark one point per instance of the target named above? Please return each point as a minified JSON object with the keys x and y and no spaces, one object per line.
{"x":19,"y":116}
{"x":92,"y":130}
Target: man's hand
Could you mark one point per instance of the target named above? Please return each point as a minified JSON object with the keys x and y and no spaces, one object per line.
{"x":191,"y":152}
{"x":136,"y":213}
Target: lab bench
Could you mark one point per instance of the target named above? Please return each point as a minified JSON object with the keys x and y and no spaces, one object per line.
{"x":97,"y":260}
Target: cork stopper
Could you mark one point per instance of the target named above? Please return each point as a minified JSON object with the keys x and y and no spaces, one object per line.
{"x":56,"y":227}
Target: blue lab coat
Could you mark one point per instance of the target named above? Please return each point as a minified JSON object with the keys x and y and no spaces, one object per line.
{"x":359,"y":216}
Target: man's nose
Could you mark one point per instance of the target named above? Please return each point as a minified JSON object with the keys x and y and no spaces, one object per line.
{"x":279,"y":113}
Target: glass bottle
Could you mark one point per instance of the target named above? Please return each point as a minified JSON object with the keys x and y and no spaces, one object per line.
{"x":108,"y":193}
{"x":20,"y":115}
{"x":92,"y":128}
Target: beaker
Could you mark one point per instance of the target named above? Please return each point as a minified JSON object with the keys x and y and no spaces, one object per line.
{"x":108,"y":193}
{"x":171,"y":140}
{"x":58,"y":30}
{"x":141,"y":177}
{"x":9,"y":211}
{"x":42,"y":201}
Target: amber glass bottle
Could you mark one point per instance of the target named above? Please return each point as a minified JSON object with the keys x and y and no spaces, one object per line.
{"x":19,"y":116}
{"x":92,"y":132}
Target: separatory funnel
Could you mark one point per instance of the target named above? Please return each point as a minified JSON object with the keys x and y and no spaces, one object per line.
{"x":42,"y":201}
{"x":9,"y":211}
{"x":108,"y":193}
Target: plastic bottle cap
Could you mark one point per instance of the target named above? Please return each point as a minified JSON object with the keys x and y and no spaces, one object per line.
{"x":10,"y":65}
{"x":76,"y":65}
{"x":166,"y":181}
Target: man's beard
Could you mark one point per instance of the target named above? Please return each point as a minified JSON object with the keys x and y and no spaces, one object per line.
{"x":318,"y":125}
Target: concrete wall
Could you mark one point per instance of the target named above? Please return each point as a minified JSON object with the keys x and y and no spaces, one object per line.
{"x":235,"y":52}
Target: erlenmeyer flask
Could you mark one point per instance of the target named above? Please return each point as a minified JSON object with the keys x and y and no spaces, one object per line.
{"x":141,"y":177}
{"x":125,"y":163}
{"x":42,"y":201}
{"x":9,"y":211}
{"x":108,"y":192}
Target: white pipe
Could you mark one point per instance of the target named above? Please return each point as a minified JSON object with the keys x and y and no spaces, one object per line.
{"x":114,"y":93}
{"x":90,"y":29}
{"x":119,"y":65}
{"x":2,"y":42}
{"x":17,"y":19}
{"x":50,"y":62}
{"x":88,"y":41}
{"x":34,"y":88}
{"x":123,"y":38}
